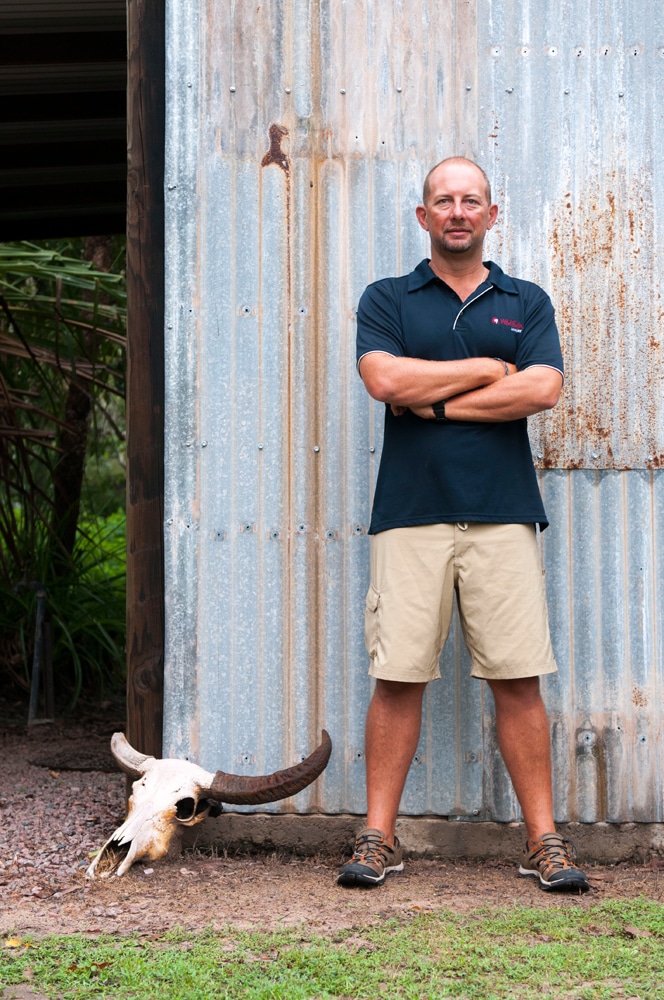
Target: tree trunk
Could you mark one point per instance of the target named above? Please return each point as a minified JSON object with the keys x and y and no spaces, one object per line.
{"x":73,"y":438}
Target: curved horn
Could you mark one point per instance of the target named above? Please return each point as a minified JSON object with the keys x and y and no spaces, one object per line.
{"x":240,"y":790}
{"x":131,"y":761}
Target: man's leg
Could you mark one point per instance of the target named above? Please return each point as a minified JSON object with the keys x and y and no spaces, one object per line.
{"x":391,"y":735}
{"x":523,"y":736}
{"x":392,"y":731}
{"x":522,"y":727}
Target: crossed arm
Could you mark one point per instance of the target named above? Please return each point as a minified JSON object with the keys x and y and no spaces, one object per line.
{"x":474,"y":389}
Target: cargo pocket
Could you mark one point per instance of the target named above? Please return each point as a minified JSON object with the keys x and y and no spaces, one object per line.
{"x":371,"y":608}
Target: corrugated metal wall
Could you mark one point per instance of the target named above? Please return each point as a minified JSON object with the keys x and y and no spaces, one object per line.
{"x":298,"y":135}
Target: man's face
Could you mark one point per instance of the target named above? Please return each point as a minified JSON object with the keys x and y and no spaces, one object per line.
{"x":457,"y":214}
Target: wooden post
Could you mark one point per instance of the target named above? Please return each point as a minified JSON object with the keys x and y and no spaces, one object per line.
{"x":145,"y":373}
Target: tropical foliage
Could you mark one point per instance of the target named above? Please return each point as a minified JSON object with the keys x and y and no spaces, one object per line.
{"x":62,"y":380}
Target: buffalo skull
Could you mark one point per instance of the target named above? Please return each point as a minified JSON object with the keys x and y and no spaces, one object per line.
{"x":169,"y":794}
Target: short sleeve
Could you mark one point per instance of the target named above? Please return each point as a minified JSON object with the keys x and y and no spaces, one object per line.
{"x":539,"y":343}
{"x":379,"y":325}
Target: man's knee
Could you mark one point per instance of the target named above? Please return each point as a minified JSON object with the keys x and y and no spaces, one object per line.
{"x":401,"y":691}
{"x":519,"y":691}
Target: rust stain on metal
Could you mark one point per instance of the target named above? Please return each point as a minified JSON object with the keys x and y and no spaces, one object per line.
{"x":607,"y":300}
{"x":639,"y":697}
{"x":275,"y":153}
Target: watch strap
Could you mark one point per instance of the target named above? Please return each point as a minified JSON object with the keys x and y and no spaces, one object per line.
{"x":439,"y":412}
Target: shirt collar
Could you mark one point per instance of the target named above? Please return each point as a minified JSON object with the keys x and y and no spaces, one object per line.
{"x":423,"y":274}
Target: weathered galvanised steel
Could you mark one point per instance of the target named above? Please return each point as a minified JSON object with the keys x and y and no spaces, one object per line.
{"x":298,"y":135}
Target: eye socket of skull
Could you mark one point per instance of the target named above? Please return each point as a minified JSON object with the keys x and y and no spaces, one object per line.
{"x":185,"y":809}
{"x":188,"y":808}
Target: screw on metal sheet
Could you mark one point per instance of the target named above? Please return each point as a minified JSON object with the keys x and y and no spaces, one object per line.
{"x":594,"y":455}
{"x":232,"y":90}
{"x":358,"y":754}
{"x":358,"y":529}
{"x":476,"y":812}
{"x":495,"y":51}
{"x":553,"y":51}
{"x":643,"y":738}
{"x":188,"y":444}
{"x":203,"y":444}
{"x":372,"y":449}
{"x":661,"y":52}
{"x":635,"y":50}
{"x":169,"y":521}
{"x":343,"y":90}
{"x":274,"y":535}
{"x":301,"y":529}
{"x":417,"y":759}
{"x":172,"y":187}
{"x":524,"y":50}
{"x":650,"y":458}
{"x":578,"y":51}
{"x":621,"y":93}
{"x":302,"y":310}
{"x":316,"y":448}
{"x":509,"y":90}
{"x":588,"y":739}
{"x":567,"y":90}
{"x":219,"y":536}
{"x":287,"y":90}
{"x":189,"y":85}
{"x":471,"y":757}
{"x":245,"y":310}
{"x":260,"y":447}
{"x":330,"y":534}
{"x":246,"y":758}
{"x":399,"y":88}
{"x":246,"y":528}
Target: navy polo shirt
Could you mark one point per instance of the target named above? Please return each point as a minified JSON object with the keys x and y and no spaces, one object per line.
{"x":461,"y":470}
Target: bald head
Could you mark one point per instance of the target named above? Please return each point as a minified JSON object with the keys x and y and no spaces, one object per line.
{"x":426,"y":190}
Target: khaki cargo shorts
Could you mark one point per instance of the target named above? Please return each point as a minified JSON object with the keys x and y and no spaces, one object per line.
{"x":496,"y":573}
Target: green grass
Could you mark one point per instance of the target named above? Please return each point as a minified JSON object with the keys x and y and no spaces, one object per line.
{"x":603,"y":952}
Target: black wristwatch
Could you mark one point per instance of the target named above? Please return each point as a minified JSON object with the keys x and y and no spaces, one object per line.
{"x":439,"y":412}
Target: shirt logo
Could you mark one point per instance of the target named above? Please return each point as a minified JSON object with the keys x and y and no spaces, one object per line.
{"x":507,"y":322}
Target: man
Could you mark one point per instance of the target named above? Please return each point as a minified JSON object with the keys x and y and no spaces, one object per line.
{"x":462,"y":354}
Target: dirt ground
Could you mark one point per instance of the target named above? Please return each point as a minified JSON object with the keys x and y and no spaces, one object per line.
{"x":52,"y":818}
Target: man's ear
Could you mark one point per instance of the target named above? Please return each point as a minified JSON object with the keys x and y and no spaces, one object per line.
{"x":421,"y":214}
{"x":493,"y":215}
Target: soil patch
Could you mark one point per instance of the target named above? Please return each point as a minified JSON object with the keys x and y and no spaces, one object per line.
{"x":52,"y":819}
